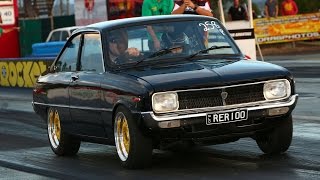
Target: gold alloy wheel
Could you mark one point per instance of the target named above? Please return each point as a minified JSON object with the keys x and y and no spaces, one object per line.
{"x":54,"y":128}
{"x":122,"y":136}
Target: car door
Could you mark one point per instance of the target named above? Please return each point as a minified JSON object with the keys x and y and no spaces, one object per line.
{"x":85,"y":88}
{"x":59,"y":81}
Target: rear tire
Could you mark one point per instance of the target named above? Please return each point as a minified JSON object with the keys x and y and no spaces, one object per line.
{"x":133,"y":148}
{"x":278,"y":140}
{"x":61,"y":143}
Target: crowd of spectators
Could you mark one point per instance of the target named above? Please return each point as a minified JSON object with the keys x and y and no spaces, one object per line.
{"x":272,"y":8}
{"x":287,"y":7}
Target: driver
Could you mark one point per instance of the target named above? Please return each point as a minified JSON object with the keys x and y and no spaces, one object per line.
{"x":118,"y":47}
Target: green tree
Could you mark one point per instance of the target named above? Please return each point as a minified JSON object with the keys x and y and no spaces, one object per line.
{"x":308,"y":6}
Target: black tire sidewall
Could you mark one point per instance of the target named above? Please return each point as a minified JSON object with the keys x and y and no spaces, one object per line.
{"x":279,"y":139}
{"x":67,"y":145}
{"x":140,"y":152}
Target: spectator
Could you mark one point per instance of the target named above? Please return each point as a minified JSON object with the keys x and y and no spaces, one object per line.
{"x":289,"y":7}
{"x":158,"y":7}
{"x":254,"y":14}
{"x":237,"y":12}
{"x":151,"y":8}
{"x":271,"y":8}
{"x":200,"y":7}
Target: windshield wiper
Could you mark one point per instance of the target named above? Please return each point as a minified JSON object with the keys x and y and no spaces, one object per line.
{"x":159,"y":53}
{"x":208,"y":49}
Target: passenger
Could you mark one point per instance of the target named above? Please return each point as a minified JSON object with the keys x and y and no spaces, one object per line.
{"x":119,"y":52}
{"x":199,"y":7}
{"x":177,"y":41}
{"x":153,"y":8}
{"x":237,"y":12}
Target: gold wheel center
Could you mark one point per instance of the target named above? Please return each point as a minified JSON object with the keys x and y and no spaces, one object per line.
{"x":57,"y":128}
{"x":125,"y":135}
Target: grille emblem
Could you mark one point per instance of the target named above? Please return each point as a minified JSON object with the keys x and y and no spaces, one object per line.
{"x":224,"y":95}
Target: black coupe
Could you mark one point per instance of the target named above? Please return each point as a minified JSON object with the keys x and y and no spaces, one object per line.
{"x":158,"y":82}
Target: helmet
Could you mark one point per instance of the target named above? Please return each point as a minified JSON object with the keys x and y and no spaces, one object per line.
{"x":172,"y":39}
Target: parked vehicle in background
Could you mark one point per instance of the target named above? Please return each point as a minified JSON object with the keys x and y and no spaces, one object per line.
{"x":108,"y":86}
{"x":54,"y":43}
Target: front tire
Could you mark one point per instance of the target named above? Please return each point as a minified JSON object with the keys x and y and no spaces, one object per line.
{"x":61,"y":143}
{"x":133,"y":148}
{"x":278,"y":140}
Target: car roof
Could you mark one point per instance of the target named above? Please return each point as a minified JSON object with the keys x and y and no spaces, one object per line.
{"x":101,"y":26}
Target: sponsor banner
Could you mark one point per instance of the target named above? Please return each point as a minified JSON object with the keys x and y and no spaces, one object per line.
{"x":242,"y":34}
{"x":287,"y":28}
{"x":22,"y":73}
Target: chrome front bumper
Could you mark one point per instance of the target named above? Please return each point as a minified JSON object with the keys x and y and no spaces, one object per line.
{"x":291,"y":101}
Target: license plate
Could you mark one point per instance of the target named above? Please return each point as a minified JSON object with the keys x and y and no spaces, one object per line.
{"x":226,"y":117}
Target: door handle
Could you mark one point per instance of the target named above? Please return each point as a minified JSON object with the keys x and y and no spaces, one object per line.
{"x":74,"y":77}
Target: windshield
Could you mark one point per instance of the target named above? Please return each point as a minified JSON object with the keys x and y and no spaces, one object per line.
{"x":169,"y":40}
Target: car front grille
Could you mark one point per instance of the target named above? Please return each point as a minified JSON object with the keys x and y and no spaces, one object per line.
{"x":214,"y":97}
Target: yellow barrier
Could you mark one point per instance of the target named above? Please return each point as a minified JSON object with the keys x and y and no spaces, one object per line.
{"x":22,"y":73}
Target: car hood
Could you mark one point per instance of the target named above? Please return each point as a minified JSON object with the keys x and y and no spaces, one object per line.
{"x":205,"y":73}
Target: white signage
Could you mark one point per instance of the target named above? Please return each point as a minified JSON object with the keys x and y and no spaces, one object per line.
{"x":6,"y":2}
{"x":7,"y":15}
